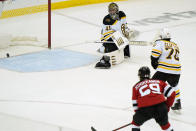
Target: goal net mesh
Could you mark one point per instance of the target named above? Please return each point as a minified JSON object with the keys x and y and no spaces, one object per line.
{"x":23,"y":26}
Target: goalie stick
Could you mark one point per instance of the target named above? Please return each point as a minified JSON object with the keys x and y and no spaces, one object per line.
{"x":138,"y":43}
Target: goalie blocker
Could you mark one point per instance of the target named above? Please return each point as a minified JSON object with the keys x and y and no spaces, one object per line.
{"x":115,"y":55}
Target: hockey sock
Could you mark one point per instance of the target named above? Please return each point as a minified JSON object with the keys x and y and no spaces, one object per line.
{"x":177,"y":90}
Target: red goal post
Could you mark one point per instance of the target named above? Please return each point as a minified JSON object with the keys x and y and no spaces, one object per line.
{"x":49,"y":24}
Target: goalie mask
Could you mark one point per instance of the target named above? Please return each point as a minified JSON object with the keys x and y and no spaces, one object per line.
{"x":113,"y":11}
{"x":144,"y":73}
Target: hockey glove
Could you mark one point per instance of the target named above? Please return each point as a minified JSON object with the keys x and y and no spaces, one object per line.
{"x":154,"y":62}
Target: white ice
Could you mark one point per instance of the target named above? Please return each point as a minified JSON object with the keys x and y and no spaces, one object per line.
{"x":79,"y":98}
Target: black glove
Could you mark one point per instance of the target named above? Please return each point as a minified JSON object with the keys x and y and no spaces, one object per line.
{"x":154,"y":62}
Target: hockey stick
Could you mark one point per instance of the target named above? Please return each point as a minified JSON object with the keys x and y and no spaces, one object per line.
{"x":139,"y":43}
{"x":122,"y":127}
{"x":93,"y":129}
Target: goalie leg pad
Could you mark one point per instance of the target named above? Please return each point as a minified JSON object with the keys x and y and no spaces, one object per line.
{"x":111,"y":59}
{"x":116,"y":57}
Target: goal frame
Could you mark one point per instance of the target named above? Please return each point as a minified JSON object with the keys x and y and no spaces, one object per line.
{"x":49,"y":24}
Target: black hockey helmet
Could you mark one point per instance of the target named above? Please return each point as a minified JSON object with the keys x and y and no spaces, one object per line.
{"x":113,"y":10}
{"x":144,"y":72}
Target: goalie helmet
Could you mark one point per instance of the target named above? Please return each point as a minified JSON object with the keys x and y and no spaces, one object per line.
{"x":113,"y":10}
{"x":164,"y":34}
{"x":144,"y":73}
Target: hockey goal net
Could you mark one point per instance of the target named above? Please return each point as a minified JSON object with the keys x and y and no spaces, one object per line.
{"x":25,"y":23}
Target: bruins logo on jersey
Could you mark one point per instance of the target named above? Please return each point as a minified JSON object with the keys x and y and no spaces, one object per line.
{"x":108,"y":20}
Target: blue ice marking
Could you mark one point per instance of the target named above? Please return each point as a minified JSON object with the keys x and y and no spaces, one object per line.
{"x":50,"y":60}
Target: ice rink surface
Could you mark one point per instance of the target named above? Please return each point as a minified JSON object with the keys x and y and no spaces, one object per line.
{"x":79,"y":98}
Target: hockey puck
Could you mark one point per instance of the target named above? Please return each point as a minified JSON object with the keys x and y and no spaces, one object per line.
{"x":8,"y":55}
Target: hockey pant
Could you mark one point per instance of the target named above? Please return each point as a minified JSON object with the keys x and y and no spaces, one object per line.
{"x":159,"y":112}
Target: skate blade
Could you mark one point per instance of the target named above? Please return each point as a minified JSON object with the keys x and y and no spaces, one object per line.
{"x":179,"y":112}
{"x":102,"y":67}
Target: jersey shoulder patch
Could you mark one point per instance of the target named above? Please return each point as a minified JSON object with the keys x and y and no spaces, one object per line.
{"x":108,"y":20}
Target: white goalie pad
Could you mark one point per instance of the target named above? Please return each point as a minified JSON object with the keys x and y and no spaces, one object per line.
{"x":119,"y":40}
{"x":116,"y":57}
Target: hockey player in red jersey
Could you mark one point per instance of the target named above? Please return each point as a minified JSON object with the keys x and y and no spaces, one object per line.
{"x":151,"y":99}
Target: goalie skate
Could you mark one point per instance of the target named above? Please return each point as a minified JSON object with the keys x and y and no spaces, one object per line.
{"x":104,"y":63}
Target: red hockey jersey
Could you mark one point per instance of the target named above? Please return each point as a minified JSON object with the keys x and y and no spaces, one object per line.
{"x":152,"y":92}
